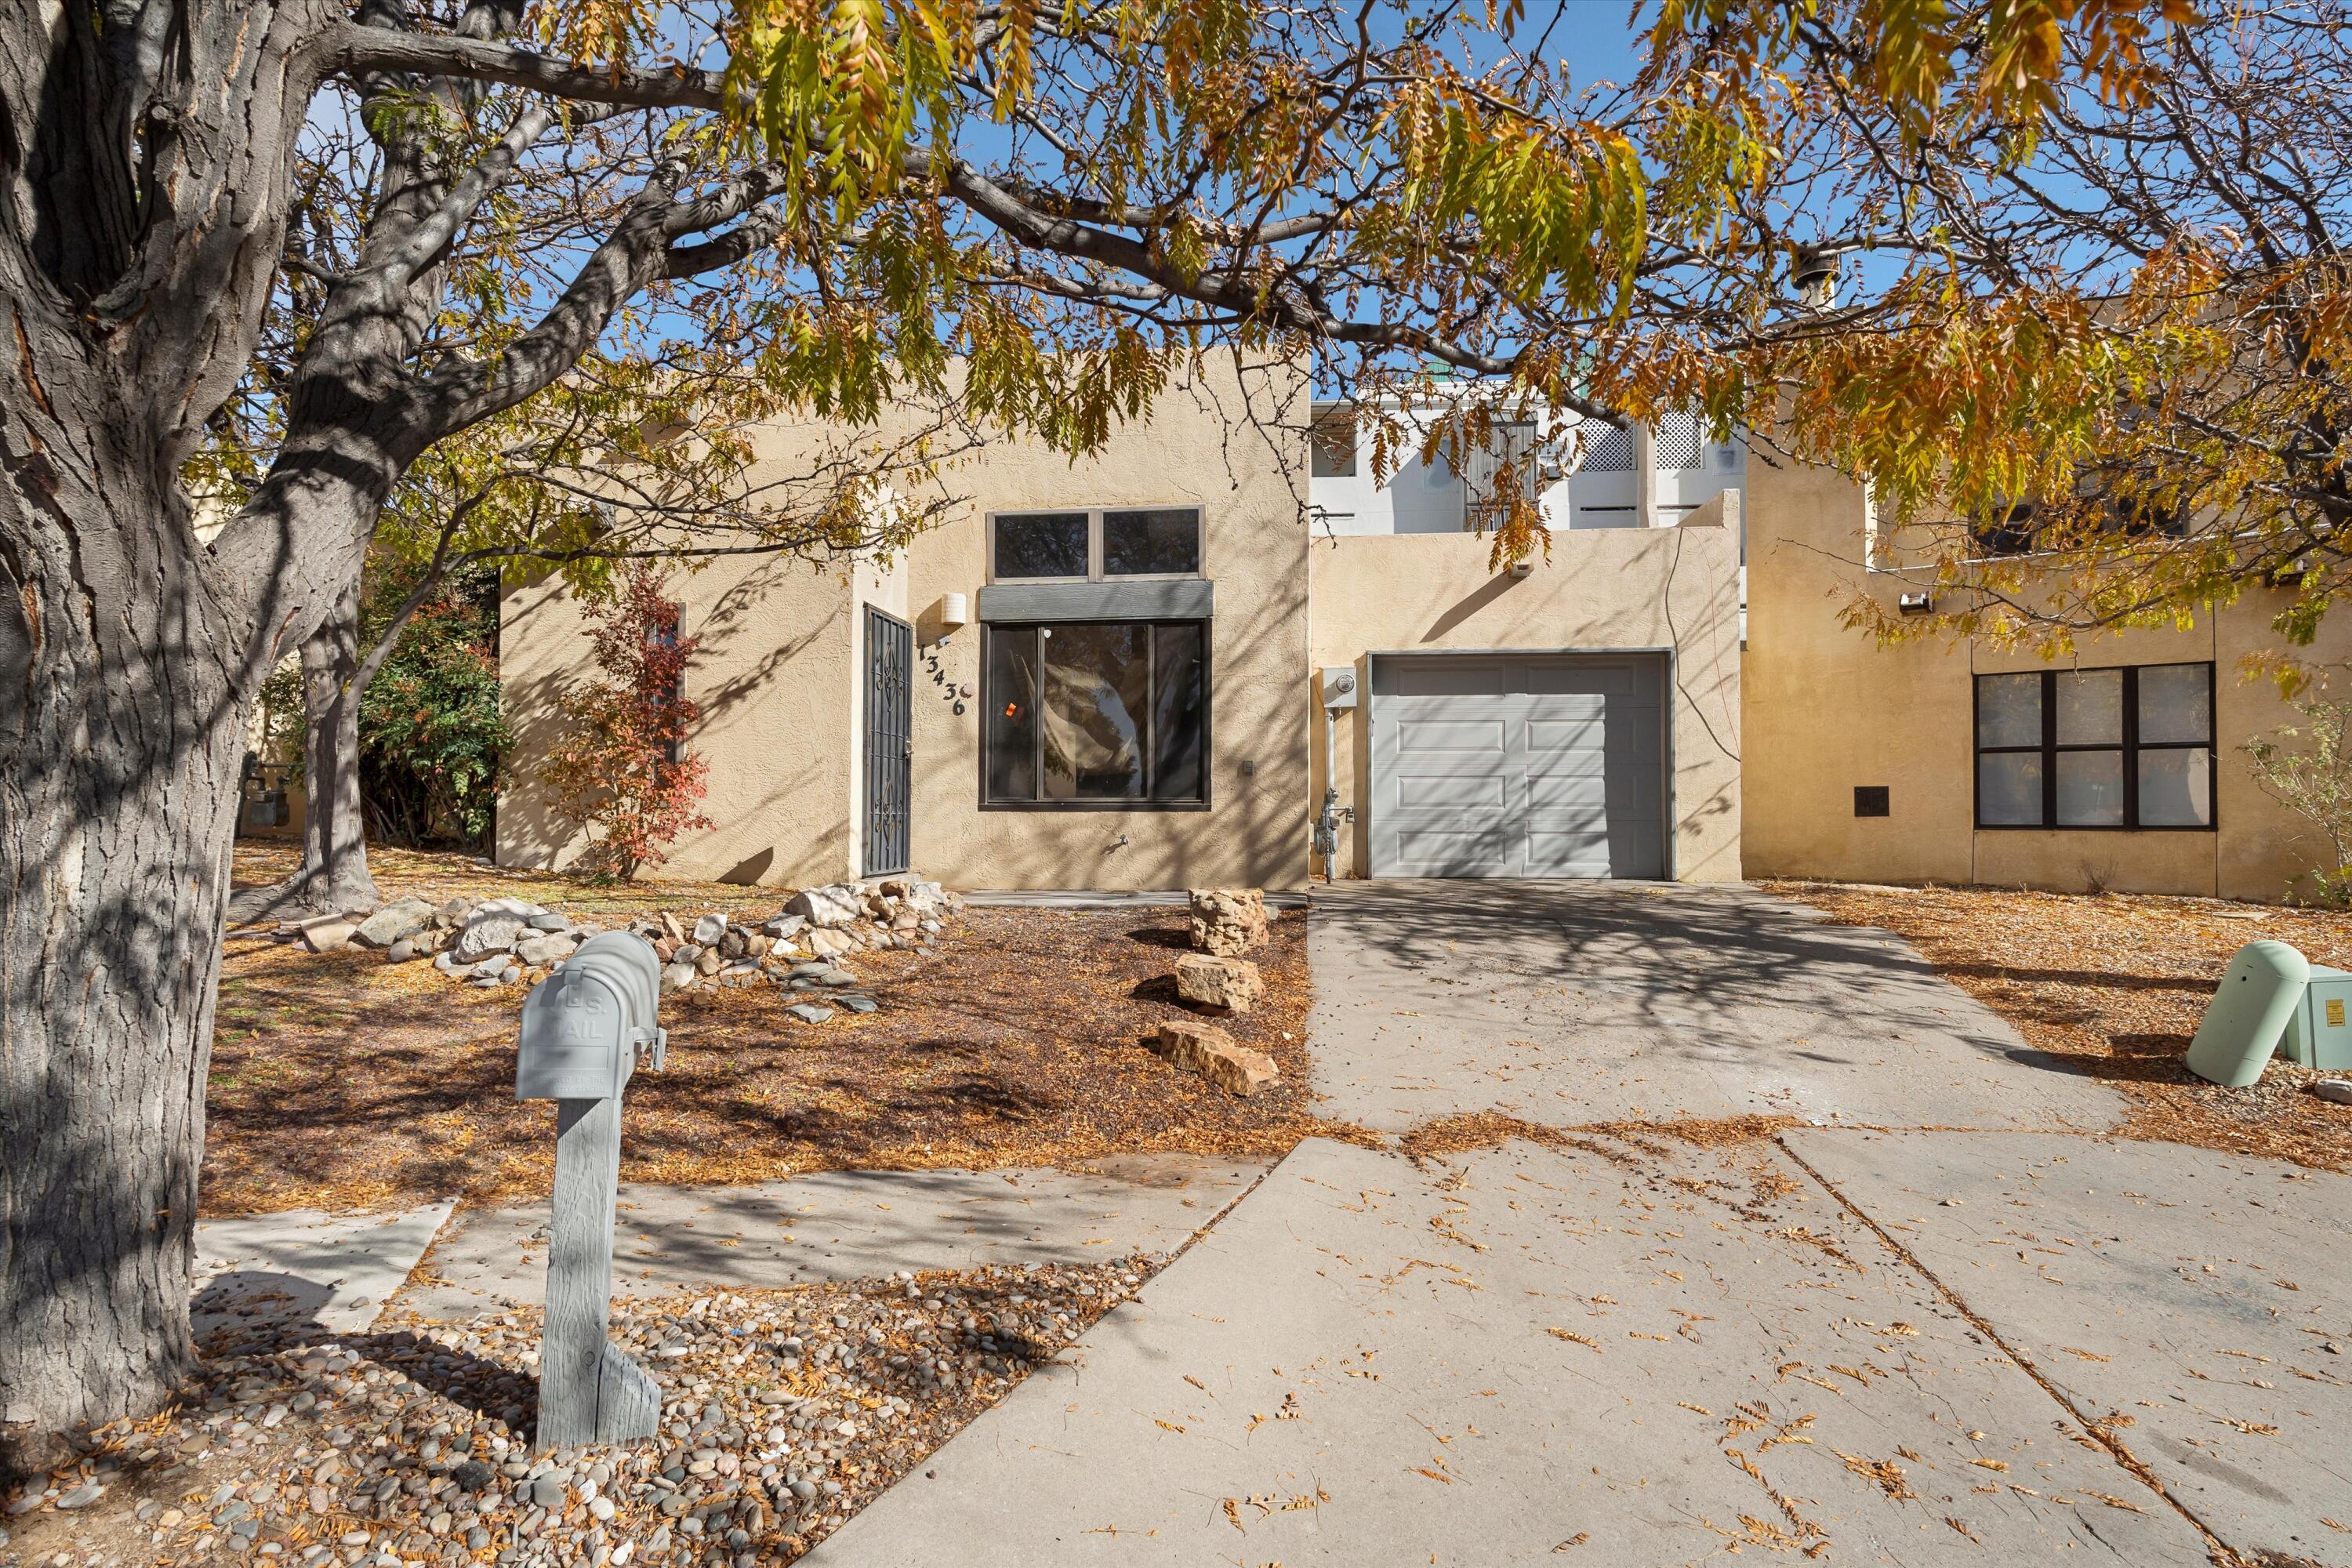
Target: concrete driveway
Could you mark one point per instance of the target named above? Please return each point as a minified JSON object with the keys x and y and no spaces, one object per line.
{"x":1939,"y":1322}
{"x":1564,"y":1002}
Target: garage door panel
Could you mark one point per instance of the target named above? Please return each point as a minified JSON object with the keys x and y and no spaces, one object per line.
{"x":1553,"y":678}
{"x":1465,"y":677}
{"x":1481,"y":737}
{"x":1440,"y":852}
{"x":1568,"y":854}
{"x":1450,"y":791}
{"x":1517,"y":767}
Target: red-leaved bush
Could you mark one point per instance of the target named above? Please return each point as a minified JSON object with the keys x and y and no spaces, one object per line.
{"x":620,"y":770}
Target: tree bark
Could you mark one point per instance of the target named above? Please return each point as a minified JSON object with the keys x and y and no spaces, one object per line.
{"x":127,"y":680}
{"x":333,"y":877}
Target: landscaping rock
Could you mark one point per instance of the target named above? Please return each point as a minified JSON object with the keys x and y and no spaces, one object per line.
{"x":328,"y":933}
{"x":827,"y":943}
{"x":809,"y":1012}
{"x":709,"y":929}
{"x":393,"y":921}
{"x":549,"y":923}
{"x":1208,"y":1050}
{"x":488,"y":930}
{"x":707,"y":960}
{"x":677,"y":977}
{"x":783,"y":928}
{"x":1233,"y":984}
{"x":546,"y":948}
{"x":826,"y":907}
{"x":1227,"y":920}
{"x":403,"y":950}
{"x":857,"y":1004}
{"x":2335,"y":1090}
{"x":454,"y":913}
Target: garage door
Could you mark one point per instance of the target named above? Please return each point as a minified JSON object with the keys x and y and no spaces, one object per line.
{"x":1493,"y":766}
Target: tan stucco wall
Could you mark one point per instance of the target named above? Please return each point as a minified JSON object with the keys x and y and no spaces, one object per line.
{"x":778,"y":677}
{"x":1602,"y":589}
{"x":1827,"y":710}
{"x":1200,"y":448}
{"x":772,"y":679}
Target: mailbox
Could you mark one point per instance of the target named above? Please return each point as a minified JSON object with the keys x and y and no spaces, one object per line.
{"x":2319,"y":1035}
{"x":586,"y":1025}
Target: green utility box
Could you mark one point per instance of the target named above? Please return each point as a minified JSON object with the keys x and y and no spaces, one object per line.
{"x":2320,"y":1033}
{"x":2253,"y":1007}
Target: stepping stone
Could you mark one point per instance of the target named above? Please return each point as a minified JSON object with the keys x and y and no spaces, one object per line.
{"x":857,"y":1004}
{"x":809,"y":1012}
{"x":835,"y":978}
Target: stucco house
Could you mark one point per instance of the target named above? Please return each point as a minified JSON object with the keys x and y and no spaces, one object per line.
{"x":1135,"y":670}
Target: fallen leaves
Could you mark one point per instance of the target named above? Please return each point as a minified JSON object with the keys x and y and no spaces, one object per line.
{"x":2113,"y":984}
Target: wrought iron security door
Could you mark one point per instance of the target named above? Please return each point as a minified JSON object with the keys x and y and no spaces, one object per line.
{"x":889,"y":740}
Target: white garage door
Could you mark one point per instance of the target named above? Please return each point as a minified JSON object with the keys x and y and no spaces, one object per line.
{"x":1495,"y":765}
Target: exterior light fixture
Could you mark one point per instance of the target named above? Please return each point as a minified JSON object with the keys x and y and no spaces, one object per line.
{"x":1918,"y":604}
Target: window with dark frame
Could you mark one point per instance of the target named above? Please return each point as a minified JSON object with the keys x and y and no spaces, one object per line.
{"x":2127,"y":747}
{"x":1095,"y":545}
{"x":1101,"y":714}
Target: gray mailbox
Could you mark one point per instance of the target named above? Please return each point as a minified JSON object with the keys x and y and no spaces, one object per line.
{"x":585,"y":1029}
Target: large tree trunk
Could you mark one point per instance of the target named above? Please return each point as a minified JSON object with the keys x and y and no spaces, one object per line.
{"x":333,"y":877}
{"x":127,"y":684}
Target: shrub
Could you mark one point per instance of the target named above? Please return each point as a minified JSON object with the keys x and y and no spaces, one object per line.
{"x":432,"y":732}
{"x":619,"y":771}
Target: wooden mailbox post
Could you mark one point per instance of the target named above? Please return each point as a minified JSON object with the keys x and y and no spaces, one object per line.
{"x":584,"y":1030}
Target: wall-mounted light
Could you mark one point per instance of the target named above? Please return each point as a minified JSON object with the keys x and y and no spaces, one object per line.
{"x":952,"y":611}
{"x":1522,"y":570}
{"x":1916,"y":603}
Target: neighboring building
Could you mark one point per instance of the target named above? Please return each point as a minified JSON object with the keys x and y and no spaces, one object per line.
{"x":1112,"y":673}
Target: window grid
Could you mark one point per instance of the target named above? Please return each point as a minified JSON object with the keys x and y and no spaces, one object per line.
{"x":991,"y":700}
{"x":2129,"y":748}
{"x":1094,"y":572}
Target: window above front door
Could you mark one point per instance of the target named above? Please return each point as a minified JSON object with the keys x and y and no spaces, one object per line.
{"x":1095,"y":545}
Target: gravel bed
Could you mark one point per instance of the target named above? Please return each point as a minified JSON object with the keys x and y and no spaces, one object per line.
{"x":784,"y":1413}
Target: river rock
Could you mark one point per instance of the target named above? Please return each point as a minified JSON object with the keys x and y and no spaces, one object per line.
{"x":490,"y":930}
{"x":394,"y":920}
{"x":828,"y":907}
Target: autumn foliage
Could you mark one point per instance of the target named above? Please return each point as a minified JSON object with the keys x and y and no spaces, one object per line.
{"x":620,"y":771}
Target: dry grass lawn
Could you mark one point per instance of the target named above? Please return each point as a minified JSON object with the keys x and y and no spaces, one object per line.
{"x":341,"y":1081}
{"x":2113,"y":984}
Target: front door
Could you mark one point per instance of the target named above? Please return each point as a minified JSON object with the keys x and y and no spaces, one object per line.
{"x":889,"y":740}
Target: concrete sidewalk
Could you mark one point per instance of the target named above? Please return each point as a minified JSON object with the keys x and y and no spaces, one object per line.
{"x":1619,"y":1355}
{"x":844,"y":1224}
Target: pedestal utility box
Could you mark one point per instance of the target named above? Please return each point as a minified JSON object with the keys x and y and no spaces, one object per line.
{"x":586,"y":1025}
{"x":2251,"y":1011}
{"x":2320,"y":1033}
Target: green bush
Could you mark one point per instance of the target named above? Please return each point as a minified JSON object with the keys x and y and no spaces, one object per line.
{"x":432,"y":732}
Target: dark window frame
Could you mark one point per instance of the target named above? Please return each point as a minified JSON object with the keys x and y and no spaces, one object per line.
{"x":2129,"y":747}
{"x":989,"y":699}
{"x":1094,"y":515}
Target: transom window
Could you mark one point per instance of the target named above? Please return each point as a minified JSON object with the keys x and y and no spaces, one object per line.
{"x":1095,"y":713}
{"x":2128,"y":747}
{"x":1089,"y":546}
